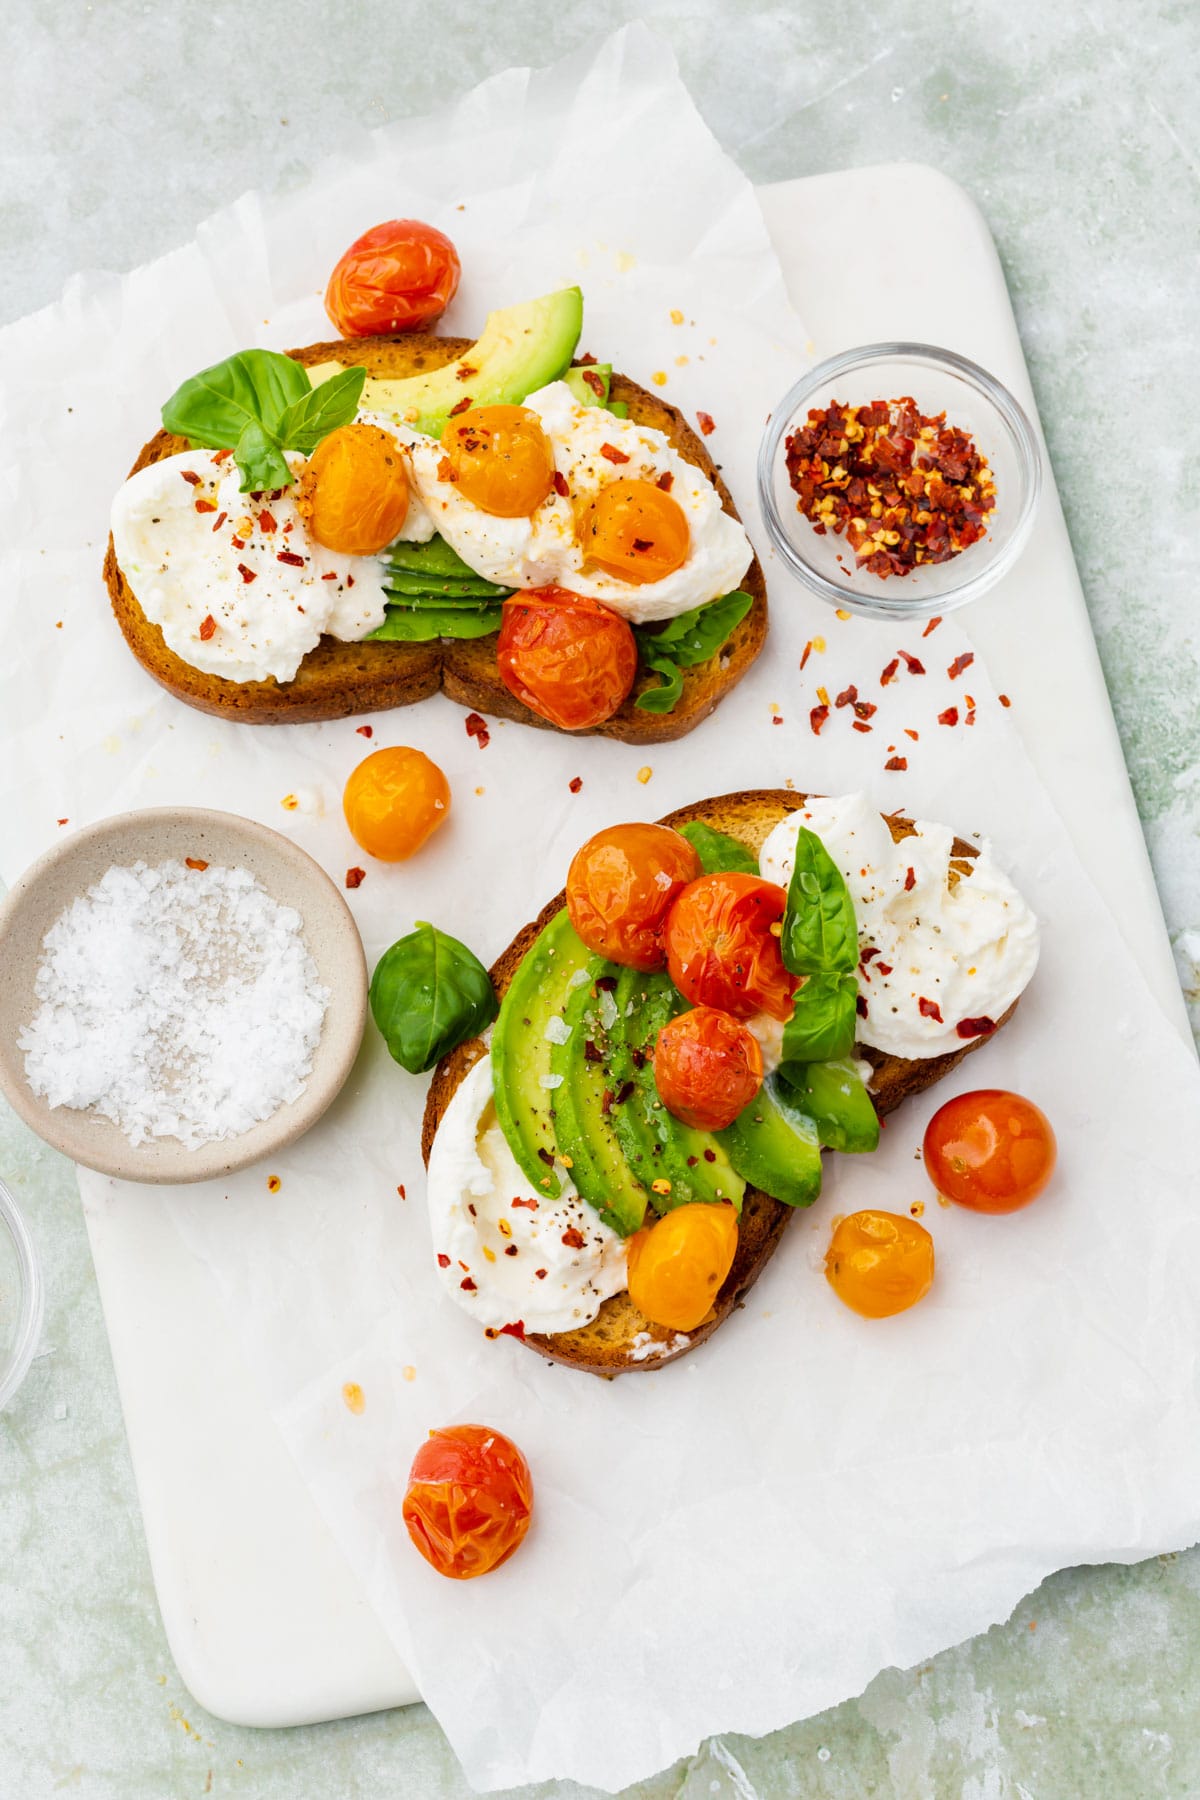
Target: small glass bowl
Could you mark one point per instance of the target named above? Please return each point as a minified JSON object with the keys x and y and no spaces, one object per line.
{"x":21,"y":1298}
{"x":937,"y":380}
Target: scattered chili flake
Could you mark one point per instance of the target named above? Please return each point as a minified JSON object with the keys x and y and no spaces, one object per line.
{"x":573,"y":1238}
{"x":865,"y":709}
{"x":590,"y":1052}
{"x":860,"y":726}
{"x":195,"y":862}
{"x":540,"y":1273}
{"x":622,"y":1094}
{"x":929,"y":1009}
{"x":643,"y":543}
{"x":206,"y":506}
{"x":910,"y":879}
{"x":561,"y":484}
{"x":443,"y":1260}
{"x":860,"y":1006}
{"x":219,"y":521}
{"x":575,"y":783}
{"x":290,"y":556}
{"x":960,"y":663}
{"x":64,"y":821}
{"x":777,"y":719}
{"x":889,"y":674}
{"x":896,"y":763}
{"x":806,"y":653}
{"x":817,"y":717}
{"x":477,"y":728}
{"x":847,"y":697}
{"x":208,"y":626}
{"x":464,"y":372}
{"x":266,"y":522}
{"x":910,"y":733}
{"x":949,"y":717}
{"x":884,"y":969}
{"x":606,"y":1100}
{"x":902,"y":486}
{"x":706,"y":422}
{"x":531,"y":1204}
{"x":330,"y":576}
{"x":220,"y":456}
{"x":870,"y":951}
{"x":932,"y":625}
{"x":606,"y":983}
{"x":510,"y":1250}
{"x":246,"y":574}
{"x":460,"y":406}
{"x":445,"y":470}
{"x":586,"y":361}
{"x":467,"y":1285}
{"x":912,"y":663}
{"x":516,"y":1329}
{"x":289,"y":803}
{"x":401,"y":1192}
{"x":973,"y":1028}
{"x":273,"y":1182}
{"x":970,"y":718}
{"x":355,"y":877}
{"x":666,"y":481}
{"x":710,"y":1156}
{"x":365,"y":730}
{"x":191,"y":477}
{"x":1004,"y":700}
{"x":611,"y":454}
{"x":349,"y":581}
{"x":237,"y":542}
{"x":595,"y":382}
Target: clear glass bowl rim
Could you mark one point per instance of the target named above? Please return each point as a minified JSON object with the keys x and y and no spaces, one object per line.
{"x":29,"y":1323}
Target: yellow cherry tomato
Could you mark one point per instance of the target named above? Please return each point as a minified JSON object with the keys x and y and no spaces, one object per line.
{"x":677,"y":1265}
{"x":879,"y":1263}
{"x":393,"y":801}
{"x":353,"y":494}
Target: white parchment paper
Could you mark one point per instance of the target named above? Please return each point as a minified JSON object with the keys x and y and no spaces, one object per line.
{"x":748,"y":1536}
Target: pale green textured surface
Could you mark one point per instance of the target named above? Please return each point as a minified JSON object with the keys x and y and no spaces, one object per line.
{"x":1076,"y":129}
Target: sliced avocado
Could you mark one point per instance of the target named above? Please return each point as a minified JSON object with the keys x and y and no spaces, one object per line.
{"x":687,"y":1165}
{"x":832,"y":1095}
{"x":473,"y":587}
{"x":434,"y":557}
{"x":421,"y":624}
{"x":521,"y":348}
{"x":523,"y":1079}
{"x":587,"y":1143}
{"x":619,"y":409}
{"x":774,"y":1145}
{"x":590,"y":385}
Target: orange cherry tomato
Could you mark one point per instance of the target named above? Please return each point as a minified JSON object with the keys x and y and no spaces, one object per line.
{"x":400,"y":276}
{"x":677,"y":1265}
{"x":353,"y":493}
{"x":567,"y":658}
{"x":635,"y":531}
{"x":707,"y":1068}
{"x":499,"y":458}
{"x":393,"y":801}
{"x":879,"y":1263}
{"x":469,"y":1500}
{"x":990,"y":1150}
{"x":721,"y":950}
{"x":621,"y":886}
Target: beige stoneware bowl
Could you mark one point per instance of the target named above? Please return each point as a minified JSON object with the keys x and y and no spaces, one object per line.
{"x":288,"y":874}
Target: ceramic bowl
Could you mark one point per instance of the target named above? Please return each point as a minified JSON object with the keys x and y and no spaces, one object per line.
{"x":287,"y":873}
{"x":20,"y":1298}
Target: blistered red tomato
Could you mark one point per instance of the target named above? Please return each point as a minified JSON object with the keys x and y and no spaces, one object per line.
{"x":990,"y":1150}
{"x":353,"y":493}
{"x":635,"y":531}
{"x":879,"y":1263}
{"x":499,"y":458}
{"x":621,"y":886}
{"x":394,"y":800}
{"x":722,"y":950}
{"x":399,"y":276}
{"x":707,"y":1067}
{"x":566,"y":657}
{"x":677,"y":1265}
{"x":469,"y":1500}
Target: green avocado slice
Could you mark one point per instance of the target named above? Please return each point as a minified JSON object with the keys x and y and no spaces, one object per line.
{"x":832,"y":1095}
{"x":775,"y":1146}
{"x":523,"y":1080}
{"x":587,"y":1143}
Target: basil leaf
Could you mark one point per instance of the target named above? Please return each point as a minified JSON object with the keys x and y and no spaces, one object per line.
{"x":717,"y":850}
{"x":214,"y":407}
{"x":420,"y":624}
{"x":820,"y":934}
{"x":665,"y":697}
{"x":428,"y":994}
{"x":261,"y":463}
{"x":321,"y":410}
{"x":822,"y":1026}
{"x":692,"y":637}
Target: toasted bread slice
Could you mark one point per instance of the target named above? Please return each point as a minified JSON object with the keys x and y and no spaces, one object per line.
{"x":620,"y":1339}
{"x":336,"y":680}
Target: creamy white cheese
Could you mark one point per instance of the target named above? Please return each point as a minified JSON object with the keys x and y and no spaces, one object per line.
{"x":205,"y":564}
{"x":500,"y":1247}
{"x":965,"y":945}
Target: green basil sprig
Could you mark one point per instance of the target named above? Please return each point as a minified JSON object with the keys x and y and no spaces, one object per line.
{"x":258,"y":404}
{"x":429,"y":993}
{"x":820,"y":934}
{"x":689,"y":638}
{"x":717,"y":850}
{"x":822,"y":1026}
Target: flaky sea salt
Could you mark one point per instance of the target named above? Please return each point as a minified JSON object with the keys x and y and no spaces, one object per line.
{"x":177,"y":1002}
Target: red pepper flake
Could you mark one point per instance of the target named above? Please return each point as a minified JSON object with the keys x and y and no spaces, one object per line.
{"x":238,"y":543}
{"x":266,"y":522}
{"x":706,"y":423}
{"x":889,"y":674}
{"x":710,"y":1156}
{"x":970,"y":718}
{"x":932,"y":625}
{"x":540,"y":1273}
{"x":464,"y":372}
{"x":190,"y":476}
{"x":477,"y":728}
{"x":573,"y":1238}
{"x":208,"y":626}
{"x":643,"y":543}
{"x":896,"y":763}
{"x":870,"y":951}
{"x":401,"y":1192}
{"x":960,"y":663}
{"x":246,"y":574}
{"x":860,"y":1006}
{"x":516,"y":1329}
{"x":220,"y":456}
{"x":611,"y":454}
{"x":860,"y":726}
{"x":817,"y":718}
{"x":331,"y":576}
{"x":205,"y":506}
{"x":910,"y":733}
{"x":531,"y":1204}
{"x":929,"y":1009}
{"x":865,"y":709}
{"x":883,"y":969}
{"x":1004,"y":700}
{"x":195,"y":862}
{"x":666,"y":481}
{"x":949,"y":717}
{"x":468,"y":1285}
{"x":443,"y":1261}
{"x":586,"y":361}
{"x":847,"y":697}
{"x":460,"y":407}
{"x":973,"y":1028}
{"x":349,"y":581}
{"x":807,"y":652}
{"x":219,"y":521}
{"x":355,"y":877}
{"x":365,"y":730}
{"x":510,"y":1250}
{"x":623,"y":1092}
{"x":910,"y":879}
{"x":575,"y":783}
{"x":561,"y":484}
{"x":445,"y":470}
{"x":913,"y":664}
{"x":595,"y":382}
{"x":777,"y":718}
{"x":290,"y":557}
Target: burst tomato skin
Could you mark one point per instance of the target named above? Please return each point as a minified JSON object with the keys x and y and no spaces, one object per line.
{"x":565,"y":657}
{"x":635,"y":531}
{"x":500,"y":459}
{"x":469,"y":1500}
{"x":990,"y":1150}
{"x":720,"y":948}
{"x":621,"y":886}
{"x":879,"y":1263}
{"x":353,"y":493}
{"x":393,"y":800}
{"x":677,"y":1265}
{"x":707,"y":1068}
{"x":399,"y":276}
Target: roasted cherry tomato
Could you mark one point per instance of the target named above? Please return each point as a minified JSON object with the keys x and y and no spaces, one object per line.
{"x":620,"y":888}
{"x":469,"y":1500}
{"x":879,"y":1263}
{"x":989,"y":1150}
{"x":721,"y":950}
{"x":499,"y":458}
{"x":707,"y":1068}
{"x":396,"y":277}
{"x":353,"y":494}
{"x":635,"y":531}
{"x":569,"y":659}
{"x":677,"y":1265}
{"x":393,"y":801}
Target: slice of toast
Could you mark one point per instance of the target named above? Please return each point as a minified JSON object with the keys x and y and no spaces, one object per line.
{"x":336,"y":680}
{"x":620,"y":1339}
